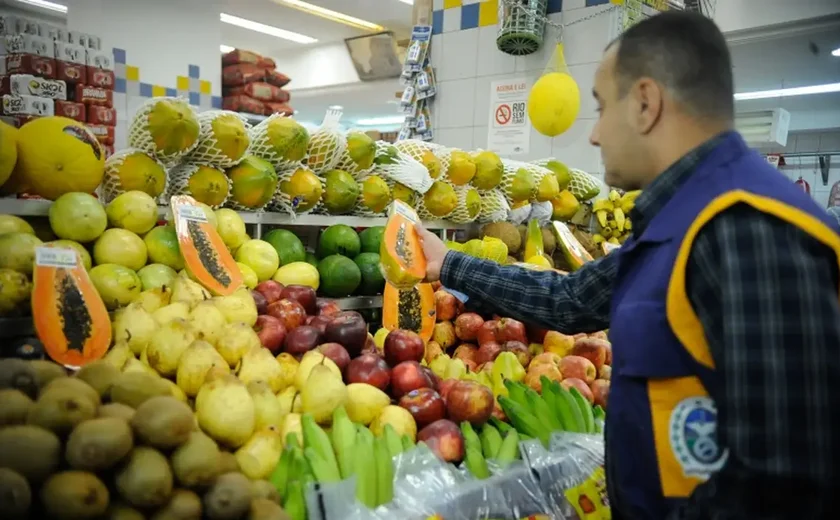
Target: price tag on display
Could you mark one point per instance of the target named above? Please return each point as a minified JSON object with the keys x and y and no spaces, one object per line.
{"x":55,"y":257}
{"x":193,"y":213}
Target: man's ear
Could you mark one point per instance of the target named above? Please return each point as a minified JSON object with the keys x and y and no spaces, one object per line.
{"x":647,"y":96}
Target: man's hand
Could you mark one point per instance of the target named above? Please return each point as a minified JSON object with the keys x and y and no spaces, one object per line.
{"x":435,"y":251}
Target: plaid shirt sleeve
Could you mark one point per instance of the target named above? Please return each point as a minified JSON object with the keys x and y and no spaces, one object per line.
{"x":766,"y":294}
{"x":579,"y":302}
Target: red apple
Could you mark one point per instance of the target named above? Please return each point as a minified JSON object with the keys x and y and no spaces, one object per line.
{"x":467,"y":326}
{"x":370,"y":346}
{"x":432,"y":377}
{"x":582,"y":387}
{"x":599,"y":335}
{"x":605,"y":372}
{"x":532,"y":377}
{"x":319,"y":322}
{"x":466,"y":352}
{"x":488,"y":352}
{"x":436,"y":285}
{"x":446,"y":305}
{"x":485,"y":367}
{"x":408,"y":376}
{"x":445,"y":386}
{"x":487,"y":333}
{"x":403,"y":345}
{"x":271,"y":290}
{"x":349,"y":330}
{"x":593,"y":349}
{"x":498,"y":412}
{"x":303,"y":294}
{"x":425,"y":405}
{"x":520,"y":350}
{"x":469,"y":401}
{"x":600,"y":392}
{"x":371,"y":369}
{"x":260,"y":302}
{"x":535,"y":334}
{"x":271,"y":332}
{"x":291,"y":313}
{"x":578,"y":367}
{"x":509,"y":329}
{"x":327,"y":307}
{"x":445,"y":439}
{"x":548,"y":358}
{"x":336,"y":353}
{"x":608,"y":361}
{"x":301,"y":340}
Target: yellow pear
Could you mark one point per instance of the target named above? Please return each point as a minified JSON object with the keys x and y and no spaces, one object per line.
{"x":194,"y":364}
{"x":167,"y":344}
{"x":188,"y":291}
{"x":399,"y":418}
{"x":258,"y":364}
{"x":134,"y":326}
{"x":292,"y":424}
{"x":288,"y":369}
{"x":365,"y":402}
{"x":238,"y":307}
{"x":135,"y":365}
{"x":289,"y":400}
{"x":439,"y":365}
{"x":309,"y":361}
{"x":153,"y":299}
{"x":268,"y":410}
{"x":322,"y":393}
{"x":225,"y":410}
{"x":208,"y":321}
{"x":170,"y":312}
{"x":236,"y":340}
{"x":259,"y":456}
{"x":118,"y":355}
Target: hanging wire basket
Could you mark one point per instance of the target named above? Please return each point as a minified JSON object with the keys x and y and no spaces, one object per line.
{"x":521,"y":26}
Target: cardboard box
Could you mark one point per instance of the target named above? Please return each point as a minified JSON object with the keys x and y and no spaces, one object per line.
{"x":72,"y":110}
{"x":100,"y":78}
{"x":54,"y":33}
{"x":99,"y":59}
{"x":94,"y":96}
{"x":28,"y":106}
{"x":98,"y":115}
{"x":104,"y":134}
{"x":71,"y":73}
{"x":29,"y":85}
{"x":31,"y":64}
{"x":27,"y":44}
{"x":70,"y":53}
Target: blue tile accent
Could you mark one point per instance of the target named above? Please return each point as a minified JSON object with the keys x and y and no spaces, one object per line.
{"x":119,"y":55}
{"x":145,"y":89}
{"x":171,"y":92}
{"x":469,"y":16}
{"x":437,"y":21}
{"x":194,"y":71}
{"x":554,"y":6}
{"x":195,"y":98}
{"x":119,"y":86}
{"x":217,"y":102}
{"x":593,"y":3}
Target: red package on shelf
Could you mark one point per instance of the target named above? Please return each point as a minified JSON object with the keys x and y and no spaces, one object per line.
{"x":31,"y":64}
{"x":71,"y":109}
{"x":278,"y":79}
{"x":260,"y":90}
{"x":278,"y":108}
{"x":104,"y":134}
{"x":99,"y":115}
{"x":101,"y":78}
{"x":241,"y":74}
{"x":94,"y":96}
{"x":243,"y":103}
{"x":238,"y":56}
{"x":267,"y":63}
{"x":70,"y":73}
{"x":22,"y":120}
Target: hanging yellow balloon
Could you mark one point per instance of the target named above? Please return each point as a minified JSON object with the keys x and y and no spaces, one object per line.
{"x":554,"y":100}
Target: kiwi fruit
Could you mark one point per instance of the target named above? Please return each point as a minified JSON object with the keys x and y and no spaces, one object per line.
{"x":98,"y":444}
{"x":32,"y":451}
{"x":133,"y":388}
{"x":182,"y":505}
{"x":122,"y":511}
{"x":265,"y":509}
{"x":74,"y":494}
{"x":197,"y":462}
{"x":229,"y":497}
{"x":163,"y":422}
{"x":264,"y":489}
{"x":47,"y":371}
{"x":145,"y":480}
{"x":66,"y":385}
{"x":61,"y":411}
{"x":19,"y":374}
{"x":14,"y":406}
{"x":100,"y":375}
{"x":118,"y":410}
{"x":15,"y":495}
{"x":227,"y":462}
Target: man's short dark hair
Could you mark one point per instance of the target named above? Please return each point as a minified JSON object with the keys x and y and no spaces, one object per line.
{"x":686,"y":52}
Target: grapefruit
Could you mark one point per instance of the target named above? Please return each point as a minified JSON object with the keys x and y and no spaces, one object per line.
{"x":231,"y":228}
{"x":298,"y":273}
{"x":57,"y":155}
{"x":156,"y":275}
{"x":17,"y":251}
{"x":78,"y":216}
{"x":79,"y":248}
{"x":121,"y":247}
{"x":259,"y":256}
{"x":253,"y":182}
{"x":135,"y":211}
{"x":163,"y":248}
{"x":15,"y":289}
{"x":553,"y":103}
{"x":13,"y":224}
{"x":8,"y":151}
{"x":249,"y":277}
{"x":116,"y":284}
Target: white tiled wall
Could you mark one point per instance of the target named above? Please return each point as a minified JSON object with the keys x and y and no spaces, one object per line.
{"x":467,"y":61}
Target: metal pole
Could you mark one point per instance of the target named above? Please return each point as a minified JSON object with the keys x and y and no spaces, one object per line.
{"x":805,"y":154}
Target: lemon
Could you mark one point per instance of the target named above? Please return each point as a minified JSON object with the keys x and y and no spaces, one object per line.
{"x":553,"y":103}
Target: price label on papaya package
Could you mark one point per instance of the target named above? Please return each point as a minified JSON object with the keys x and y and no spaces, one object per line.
{"x":190,"y":212}
{"x":55,"y":257}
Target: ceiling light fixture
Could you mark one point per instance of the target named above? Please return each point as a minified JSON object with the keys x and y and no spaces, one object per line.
{"x":787,"y":92}
{"x":226,"y":48}
{"x":836,"y":52}
{"x":409,"y":2}
{"x":52,"y":6}
{"x":331,"y":15}
{"x":377,"y":121}
{"x":266,"y":29}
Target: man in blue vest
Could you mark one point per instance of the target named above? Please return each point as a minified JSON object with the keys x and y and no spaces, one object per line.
{"x":723,"y":306}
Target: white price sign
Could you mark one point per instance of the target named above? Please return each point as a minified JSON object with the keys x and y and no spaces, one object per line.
{"x":509,"y":130}
{"x":55,"y":257}
{"x":190,"y":212}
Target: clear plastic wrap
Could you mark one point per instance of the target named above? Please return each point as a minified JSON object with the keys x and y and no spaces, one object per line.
{"x":519,"y":215}
{"x":398,"y":166}
{"x":541,"y":211}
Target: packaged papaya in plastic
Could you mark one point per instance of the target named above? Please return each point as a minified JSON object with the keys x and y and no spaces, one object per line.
{"x":401,"y":257}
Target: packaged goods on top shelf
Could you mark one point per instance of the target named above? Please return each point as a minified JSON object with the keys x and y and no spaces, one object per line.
{"x":252,"y":85}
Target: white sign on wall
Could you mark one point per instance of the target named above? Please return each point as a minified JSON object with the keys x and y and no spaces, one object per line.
{"x":509,"y":130}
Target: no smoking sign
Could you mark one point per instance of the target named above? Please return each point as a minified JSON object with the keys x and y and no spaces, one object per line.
{"x":503,"y":114}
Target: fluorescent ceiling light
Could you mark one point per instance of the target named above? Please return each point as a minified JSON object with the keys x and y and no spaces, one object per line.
{"x":331,"y":15}
{"x":266,"y":29}
{"x":335,"y":107}
{"x":836,"y":52}
{"x":375,"y":121}
{"x":787,"y":92}
{"x":409,"y":2}
{"x":52,"y":6}
{"x":226,"y":48}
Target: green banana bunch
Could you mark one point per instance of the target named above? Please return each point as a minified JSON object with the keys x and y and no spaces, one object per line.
{"x":600,"y":416}
{"x":392,"y":440}
{"x":500,"y":425}
{"x":366,"y":481}
{"x":585,"y":410}
{"x":523,"y":420}
{"x":343,"y":436}
{"x":280,"y":476}
{"x":509,"y":450}
{"x":476,"y":463}
{"x":538,"y":407}
{"x":491,"y":441}
{"x":470,"y":437}
{"x":294,"y":501}
{"x":407,"y":443}
{"x":299,"y":476}
{"x":319,"y":451}
{"x":384,"y":471}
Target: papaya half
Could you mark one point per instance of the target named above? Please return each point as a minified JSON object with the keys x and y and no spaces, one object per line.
{"x":400,"y":253}
{"x":572,"y":250}
{"x":206,"y":258}
{"x":69,"y":315}
{"x":409,"y":309}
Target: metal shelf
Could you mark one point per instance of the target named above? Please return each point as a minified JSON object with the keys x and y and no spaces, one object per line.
{"x":353,"y":303}
{"x":40,"y":208}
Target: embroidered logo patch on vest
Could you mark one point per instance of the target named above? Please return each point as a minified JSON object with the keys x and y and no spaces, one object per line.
{"x":693,"y":428}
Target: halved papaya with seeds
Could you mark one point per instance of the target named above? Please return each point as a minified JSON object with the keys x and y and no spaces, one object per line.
{"x":69,"y":315}
{"x":206,"y":258}
{"x":409,"y":309}
{"x":400,"y":253}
